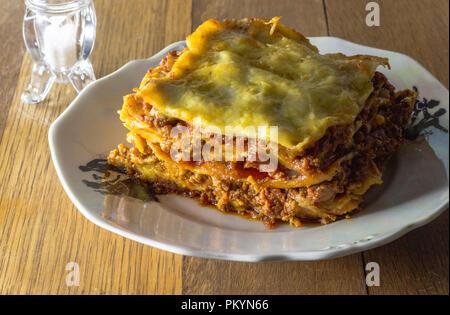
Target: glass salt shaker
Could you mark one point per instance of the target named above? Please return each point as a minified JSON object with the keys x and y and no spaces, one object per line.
{"x":60,"y":35}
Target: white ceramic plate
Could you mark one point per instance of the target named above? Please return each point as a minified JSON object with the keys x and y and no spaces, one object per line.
{"x":415,"y":190}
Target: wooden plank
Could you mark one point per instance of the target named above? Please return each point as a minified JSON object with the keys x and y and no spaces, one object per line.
{"x":137,"y":31}
{"x":40,"y":229}
{"x":11,"y":54}
{"x":201,"y":276}
{"x":337,"y":276}
{"x":306,"y":16}
{"x":417,"y":263}
{"x":418,"y":28}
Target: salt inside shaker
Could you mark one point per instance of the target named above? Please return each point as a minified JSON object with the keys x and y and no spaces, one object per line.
{"x":60,"y":35}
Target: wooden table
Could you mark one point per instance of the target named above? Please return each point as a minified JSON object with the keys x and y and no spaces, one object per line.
{"x":41,"y":230}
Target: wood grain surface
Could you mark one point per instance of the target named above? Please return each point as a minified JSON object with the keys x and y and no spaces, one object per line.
{"x":418,"y":262}
{"x":41,"y":230}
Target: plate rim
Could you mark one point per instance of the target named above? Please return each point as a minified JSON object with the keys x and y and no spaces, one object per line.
{"x":335,"y":252}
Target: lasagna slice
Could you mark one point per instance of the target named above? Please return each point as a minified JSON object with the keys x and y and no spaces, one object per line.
{"x":337,"y":119}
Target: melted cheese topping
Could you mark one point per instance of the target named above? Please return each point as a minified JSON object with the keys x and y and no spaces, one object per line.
{"x":256,"y":72}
